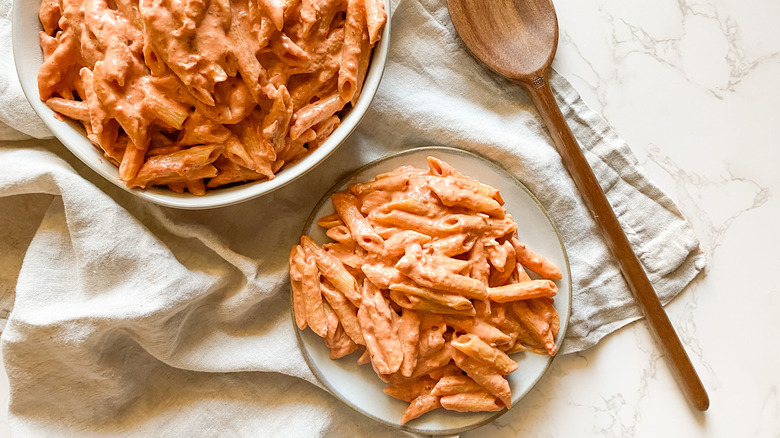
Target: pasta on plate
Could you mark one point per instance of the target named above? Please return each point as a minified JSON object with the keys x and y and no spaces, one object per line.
{"x":204,"y":93}
{"x":426,"y":276}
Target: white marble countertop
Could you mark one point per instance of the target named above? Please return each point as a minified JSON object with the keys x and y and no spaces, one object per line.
{"x":692,"y":86}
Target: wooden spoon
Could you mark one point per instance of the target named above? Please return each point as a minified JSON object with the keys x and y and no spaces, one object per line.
{"x":518,"y":39}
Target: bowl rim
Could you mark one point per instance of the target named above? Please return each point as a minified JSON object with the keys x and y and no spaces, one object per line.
{"x":71,"y":134}
{"x":564,"y":324}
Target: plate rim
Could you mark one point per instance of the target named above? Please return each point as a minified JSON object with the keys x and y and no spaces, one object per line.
{"x":309,"y":222}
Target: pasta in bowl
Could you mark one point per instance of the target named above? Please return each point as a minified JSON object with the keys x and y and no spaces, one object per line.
{"x":224,"y":100}
{"x":398,"y":270}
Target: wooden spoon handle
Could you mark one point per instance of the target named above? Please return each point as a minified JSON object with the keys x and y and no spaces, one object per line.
{"x":588,"y":185}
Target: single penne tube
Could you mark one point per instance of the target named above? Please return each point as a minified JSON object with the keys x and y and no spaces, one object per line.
{"x":455,"y":384}
{"x":456,"y":302}
{"x":362,"y":231}
{"x":478,"y":349}
{"x":299,"y":305}
{"x":471,"y":402}
{"x":409,"y":334}
{"x":314,"y":113}
{"x":345,"y":311}
{"x":379,"y":331}
{"x":350,"y":51}
{"x":392,"y":183}
{"x":419,"y":406}
{"x":482,"y":329}
{"x":535,"y":262}
{"x":76,"y":110}
{"x":333,"y":270}
{"x":310,"y":285}
{"x":417,"y":303}
{"x":330,"y":221}
{"x":375,"y":19}
{"x":363,"y":61}
{"x":132,"y":162}
{"x":523,"y":291}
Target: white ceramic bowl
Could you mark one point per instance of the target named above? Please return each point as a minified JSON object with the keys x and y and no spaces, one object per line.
{"x":28,"y":59}
{"x":358,"y":386}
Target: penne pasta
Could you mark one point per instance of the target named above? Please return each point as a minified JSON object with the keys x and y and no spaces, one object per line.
{"x":409,"y":334}
{"x":277,"y":73}
{"x":535,"y":262}
{"x":345,"y":311}
{"x":312,"y":297}
{"x":359,"y":227}
{"x":333,"y":270}
{"x":478,"y":349}
{"x":523,"y":291}
{"x":443,"y":297}
{"x":420,"y":405}
{"x":471,"y":402}
{"x":455,"y":384}
{"x":379,"y":331}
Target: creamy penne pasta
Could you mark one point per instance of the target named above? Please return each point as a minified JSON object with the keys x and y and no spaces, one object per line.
{"x":263,"y":81}
{"x":426,"y":277}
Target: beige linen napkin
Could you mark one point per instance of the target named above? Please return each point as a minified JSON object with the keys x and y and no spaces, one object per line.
{"x":131,"y":319}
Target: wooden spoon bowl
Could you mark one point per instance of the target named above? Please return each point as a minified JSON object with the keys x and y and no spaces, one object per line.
{"x":517,"y":39}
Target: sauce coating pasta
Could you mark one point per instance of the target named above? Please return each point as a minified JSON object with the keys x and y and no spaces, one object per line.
{"x":430,"y":282}
{"x":204,"y":93}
